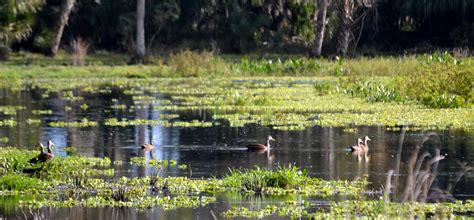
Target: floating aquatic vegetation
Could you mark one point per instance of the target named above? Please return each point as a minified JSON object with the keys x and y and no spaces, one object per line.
{"x":288,"y":180}
{"x":124,"y":122}
{"x":10,"y":110}
{"x":142,"y":161}
{"x":357,"y":209}
{"x":83,"y":123}
{"x":53,"y":181}
{"x":169,"y":116}
{"x":8,"y":122}
{"x":69,"y":95}
{"x":42,"y":112}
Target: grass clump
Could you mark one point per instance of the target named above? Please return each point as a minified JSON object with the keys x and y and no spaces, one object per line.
{"x":197,"y":64}
{"x":19,"y":182}
{"x":259,"y":180}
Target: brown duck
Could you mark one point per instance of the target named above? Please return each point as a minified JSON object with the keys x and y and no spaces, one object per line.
{"x":44,"y":156}
{"x":261,"y":146}
{"x":357,"y":147}
{"x":365,"y":146}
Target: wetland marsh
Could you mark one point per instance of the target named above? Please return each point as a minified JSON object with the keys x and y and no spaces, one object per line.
{"x":200,"y":167}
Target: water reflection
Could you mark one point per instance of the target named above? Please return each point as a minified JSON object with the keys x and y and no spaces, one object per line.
{"x":422,"y":169}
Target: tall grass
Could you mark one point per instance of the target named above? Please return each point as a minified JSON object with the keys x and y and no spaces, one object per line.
{"x":80,"y":47}
{"x":18,"y":182}
{"x":258,"y":180}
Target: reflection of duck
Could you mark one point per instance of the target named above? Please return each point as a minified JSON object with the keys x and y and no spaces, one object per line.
{"x":261,"y":147}
{"x":148,"y":147}
{"x":44,"y":156}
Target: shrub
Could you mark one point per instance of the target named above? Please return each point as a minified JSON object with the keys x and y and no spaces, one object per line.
{"x":372,"y":90}
{"x":439,"y":85}
{"x":193,"y":64}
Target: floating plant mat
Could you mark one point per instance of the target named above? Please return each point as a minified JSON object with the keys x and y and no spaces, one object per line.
{"x":284,"y":103}
{"x":77,"y":181}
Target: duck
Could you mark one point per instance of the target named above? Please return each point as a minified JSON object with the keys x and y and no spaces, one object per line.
{"x":365,"y":146}
{"x":358,"y":147}
{"x":44,"y":156}
{"x":260,"y":147}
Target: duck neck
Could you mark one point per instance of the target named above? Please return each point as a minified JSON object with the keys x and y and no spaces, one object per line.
{"x":49,"y":150}
{"x":268,"y":143}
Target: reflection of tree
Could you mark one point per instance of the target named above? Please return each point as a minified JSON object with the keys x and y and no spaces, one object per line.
{"x":422,"y":171}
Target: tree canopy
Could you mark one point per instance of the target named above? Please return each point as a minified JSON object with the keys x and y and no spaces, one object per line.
{"x":243,"y":25}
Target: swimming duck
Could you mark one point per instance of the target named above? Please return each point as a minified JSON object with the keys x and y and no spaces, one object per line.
{"x":365,"y":146}
{"x":358,"y":147}
{"x":261,"y":146}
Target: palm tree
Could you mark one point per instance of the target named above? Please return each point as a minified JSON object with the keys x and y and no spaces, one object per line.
{"x":16,"y":18}
{"x":66,"y":8}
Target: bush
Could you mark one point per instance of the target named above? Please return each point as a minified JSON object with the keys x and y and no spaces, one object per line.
{"x":439,"y":85}
{"x":192,"y":64}
{"x":372,"y":90}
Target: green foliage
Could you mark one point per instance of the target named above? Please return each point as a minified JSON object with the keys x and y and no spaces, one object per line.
{"x":19,"y":182}
{"x":16,"y":19}
{"x":190,"y":64}
{"x":324,"y":87}
{"x":440,"y":85}
{"x":373,"y":209}
{"x":288,"y":67}
{"x":371,"y":90}
{"x":259,"y":180}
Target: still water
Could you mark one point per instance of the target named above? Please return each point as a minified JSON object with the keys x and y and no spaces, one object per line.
{"x":210,"y":151}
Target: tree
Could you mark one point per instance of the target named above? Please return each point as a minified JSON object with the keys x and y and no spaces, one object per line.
{"x":140,"y":38}
{"x":320,"y":26}
{"x":346,"y":9}
{"x":66,"y":8}
{"x":16,"y":19}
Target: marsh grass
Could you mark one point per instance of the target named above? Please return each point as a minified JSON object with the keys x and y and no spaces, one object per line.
{"x":79,"y":47}
{"x":258,"y":180}
{"x":19,"y":182}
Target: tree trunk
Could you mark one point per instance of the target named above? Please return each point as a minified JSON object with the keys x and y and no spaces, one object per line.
{"x":66,"y":8}
{"x":320,"y":26}
{"x":140,"y":41}
{"x":346,"y":9}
